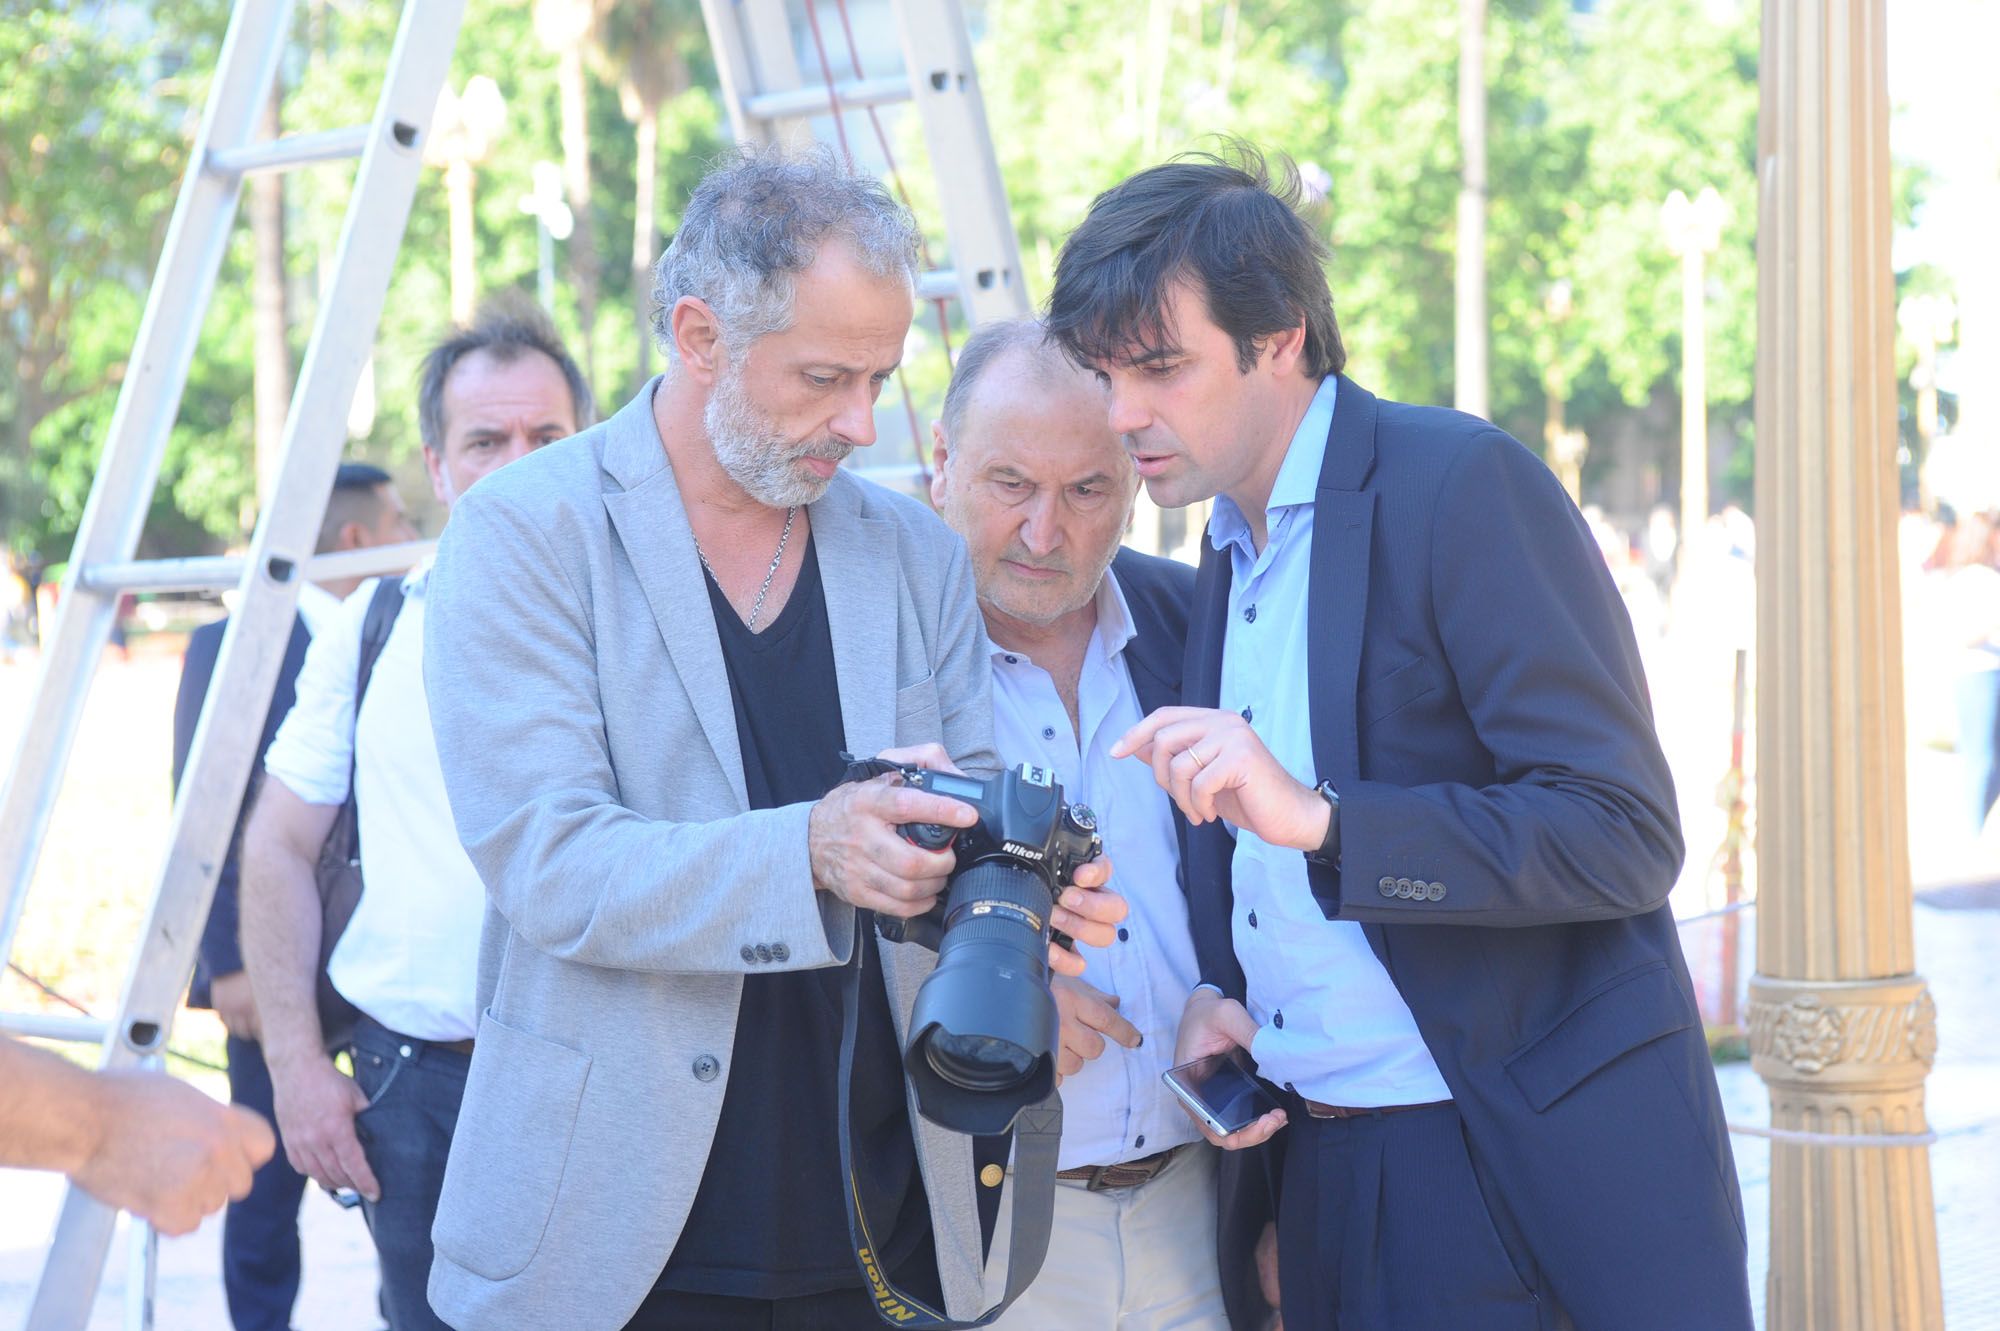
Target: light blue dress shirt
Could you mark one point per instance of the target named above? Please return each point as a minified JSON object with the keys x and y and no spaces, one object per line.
{"x":1116,"y":1108}
{"x":1330,"y":1023}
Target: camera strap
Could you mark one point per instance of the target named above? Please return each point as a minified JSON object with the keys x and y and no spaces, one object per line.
{"x":1037,"y":1133}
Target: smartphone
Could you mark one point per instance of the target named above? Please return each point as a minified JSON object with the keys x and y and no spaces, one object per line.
{"x":1222,"y":1090}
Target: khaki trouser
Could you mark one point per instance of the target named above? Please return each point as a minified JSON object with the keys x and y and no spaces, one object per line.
{"x":1125,"y":1259}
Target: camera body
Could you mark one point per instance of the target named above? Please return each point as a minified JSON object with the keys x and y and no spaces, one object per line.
{"x":983,"y":1032}
{"x":1023,"y":822}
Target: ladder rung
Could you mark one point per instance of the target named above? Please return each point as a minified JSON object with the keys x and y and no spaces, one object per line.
{"x":46,"y":1026}
{"x":938,"y":284}
{"x":812,"y":100}
{"x":282,"y":154}
{"x":218,"y":572}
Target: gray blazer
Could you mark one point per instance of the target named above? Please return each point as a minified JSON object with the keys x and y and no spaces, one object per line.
{"x":588,"y":742}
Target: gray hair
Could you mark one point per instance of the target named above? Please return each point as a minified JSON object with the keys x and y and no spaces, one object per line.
{"x":506,"y":327}
{"x":990,"y":344}
{"x":756,"y":221}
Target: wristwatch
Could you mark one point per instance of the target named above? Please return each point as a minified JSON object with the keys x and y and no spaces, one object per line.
{"x":1328,"y":853}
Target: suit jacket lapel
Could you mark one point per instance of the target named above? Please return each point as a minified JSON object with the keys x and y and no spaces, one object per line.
{"x":1337,"y":604}
{"x":651,"y":522}
{"x":860,"y":613}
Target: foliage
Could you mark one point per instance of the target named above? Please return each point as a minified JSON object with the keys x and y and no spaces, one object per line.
{"x":1594,"y":117}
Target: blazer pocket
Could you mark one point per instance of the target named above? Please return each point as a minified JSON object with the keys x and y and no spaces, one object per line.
{"x":1635,"y":1009}
{"x":918,"y":717}
{"x":1394,"y":689}
{"x":509,"y":1150}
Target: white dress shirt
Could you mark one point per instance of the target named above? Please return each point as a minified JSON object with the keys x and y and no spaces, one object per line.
{"x":410,"y":955}
{"x":318,"y":607}
{"x":1116,"y":1108}
{"x":1330,"y":1022}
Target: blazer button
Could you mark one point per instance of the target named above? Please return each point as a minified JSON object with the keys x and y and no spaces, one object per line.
{"x":1387,"y":887}
{"x":749,"y":954}
{"x":705,"y":1068}
{"x":779,"y":952}
{"x":763,"y":951}
{"x":1437,"y":892}
{"x":1405,"y":888}
{"x":991,"y":1175}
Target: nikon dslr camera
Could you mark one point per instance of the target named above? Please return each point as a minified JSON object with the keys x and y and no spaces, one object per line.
{"x":983,"y":1035}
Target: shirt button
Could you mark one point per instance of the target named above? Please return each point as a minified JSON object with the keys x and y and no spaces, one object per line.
{"x":1141,"y":1141}
{"x":1011,"y":660}
{"x":1124,"y":934}
{"x":706,"y":1068}
{"x":1253,"y":919}
{"x":1048,"y":732}
{"x":1246,"y":713}
{"x":1278,"y":1020}
{"x":1250,"y":614}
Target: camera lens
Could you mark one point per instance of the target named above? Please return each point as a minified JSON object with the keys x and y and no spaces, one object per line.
{"x":984,"y":1025}
{"x":978,"y":1062}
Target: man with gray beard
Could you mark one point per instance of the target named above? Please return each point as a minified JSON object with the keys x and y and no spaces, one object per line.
{"x":650,"y":646}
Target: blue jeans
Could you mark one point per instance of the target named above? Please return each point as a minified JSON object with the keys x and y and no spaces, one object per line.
{"x":260,"y":1234}
{"x":413,"y":1089}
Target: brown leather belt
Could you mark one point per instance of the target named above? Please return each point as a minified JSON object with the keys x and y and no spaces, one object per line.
{"x":1314,"y":1109}
{"x":1130,"y":1174}
{"x":452,"y":1046}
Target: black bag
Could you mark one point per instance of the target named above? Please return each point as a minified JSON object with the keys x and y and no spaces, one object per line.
{"x":338,"y":872}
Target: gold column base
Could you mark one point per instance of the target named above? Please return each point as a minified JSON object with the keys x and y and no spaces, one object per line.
{"x":1848,"y":1059}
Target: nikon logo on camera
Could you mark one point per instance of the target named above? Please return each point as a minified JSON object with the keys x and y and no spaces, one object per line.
{"x":1035,"y":853}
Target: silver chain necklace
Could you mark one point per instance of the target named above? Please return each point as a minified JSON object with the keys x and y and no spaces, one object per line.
{"x":757,"y":607}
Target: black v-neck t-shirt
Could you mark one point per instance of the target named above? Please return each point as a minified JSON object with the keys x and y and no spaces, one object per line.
{"x":769,"y":1220}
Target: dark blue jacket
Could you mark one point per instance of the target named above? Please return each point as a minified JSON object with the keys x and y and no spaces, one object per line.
{"x":1509,"y":836}
{"x":220,"y":953}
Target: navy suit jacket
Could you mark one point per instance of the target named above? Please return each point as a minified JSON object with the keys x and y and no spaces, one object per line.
{"x":220,"y":954}
{"x":1509,"y":836}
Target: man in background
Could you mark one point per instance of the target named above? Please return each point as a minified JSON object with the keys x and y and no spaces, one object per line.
{"x":1085,"y":639}
{"x":260,"y":1233}
{"x":489,"y":395}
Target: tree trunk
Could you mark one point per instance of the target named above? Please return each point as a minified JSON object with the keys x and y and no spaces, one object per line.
{"x":271,"y":365}
{"x":645,"y":228}
{"x":576,"y":184}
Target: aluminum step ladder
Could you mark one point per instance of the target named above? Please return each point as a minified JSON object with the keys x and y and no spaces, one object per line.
{"x":768,"y":98}
{"x":103,"y":568}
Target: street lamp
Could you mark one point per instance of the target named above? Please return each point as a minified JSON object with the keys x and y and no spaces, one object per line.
{"x":1694,"y":231}
{"x":462,"y":135}
{"x":553,"y":222}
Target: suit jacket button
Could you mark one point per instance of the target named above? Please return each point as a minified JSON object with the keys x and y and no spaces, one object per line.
{"x":1405,"y":888}
{"x":991,"y":1175}
{"x":779,"y":952}
{"x":749,"y":954}
{"x":1387,"y":887}
{"x":763,"y":952}
{"x":706,"y":1068}
{"x":1437,"y":891}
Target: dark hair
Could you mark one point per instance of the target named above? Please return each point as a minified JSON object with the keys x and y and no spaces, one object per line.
{"x":356,"y":497}
{"x":989,"y":343}
{"x":505,"y":327}
{"x":1220,"y":223}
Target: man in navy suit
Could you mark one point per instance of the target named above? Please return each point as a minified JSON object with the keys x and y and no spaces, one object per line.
{"x":260,"y":1234}
{"x":1433,"y":831}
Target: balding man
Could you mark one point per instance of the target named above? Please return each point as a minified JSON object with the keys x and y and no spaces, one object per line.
{"x":1085,"y":639}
